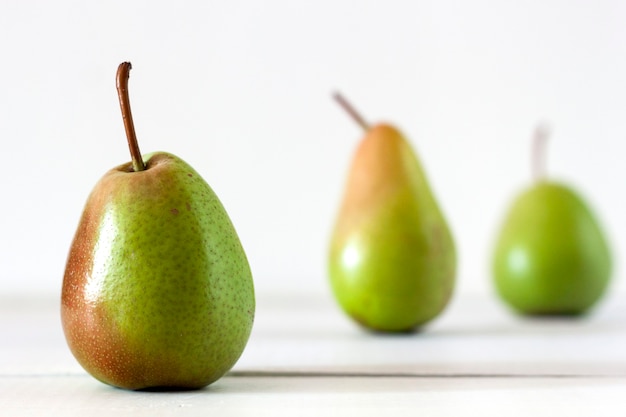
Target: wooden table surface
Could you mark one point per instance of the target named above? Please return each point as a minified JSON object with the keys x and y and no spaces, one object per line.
{"x":306,"y":358}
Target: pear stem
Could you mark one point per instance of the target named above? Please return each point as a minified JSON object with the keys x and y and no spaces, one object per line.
{"x":123,"y":73}
{"x":345,"y":104}
{"x":540,"y":138}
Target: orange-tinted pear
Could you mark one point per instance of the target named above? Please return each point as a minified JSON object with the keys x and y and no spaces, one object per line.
{"x":392,"y":258}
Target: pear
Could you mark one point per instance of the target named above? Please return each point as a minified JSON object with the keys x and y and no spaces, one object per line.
{"x":392,"y":257}
{"x":157,"y":291}
{"x":551,"y":256}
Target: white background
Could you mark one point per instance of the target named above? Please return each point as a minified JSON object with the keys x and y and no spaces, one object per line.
{"x":241,"y":91}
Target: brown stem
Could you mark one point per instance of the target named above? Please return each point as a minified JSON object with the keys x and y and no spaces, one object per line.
{"x":123,"y":73}
{"x":351,"y":111}
{"x":540,"y":138}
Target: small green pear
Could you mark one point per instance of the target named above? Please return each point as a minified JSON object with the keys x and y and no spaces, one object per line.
{"x":392,"y":258}
{"x":157,"y":291}
{"x":551,"y":256}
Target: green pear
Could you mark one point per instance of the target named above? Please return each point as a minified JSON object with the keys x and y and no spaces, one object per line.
{"x":392,"y":258}
{"x":157,"y":291}
{"x":551,"y":256}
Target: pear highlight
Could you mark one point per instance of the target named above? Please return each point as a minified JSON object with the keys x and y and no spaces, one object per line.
{"x":157,"y":291}
{"x":551,"y":256}
{"x":392,"y":258}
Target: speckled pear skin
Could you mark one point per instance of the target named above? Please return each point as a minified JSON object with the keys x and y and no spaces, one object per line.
{"x":392,"y":259}
{"x":551,"y":256}
{"x":157,"y":289}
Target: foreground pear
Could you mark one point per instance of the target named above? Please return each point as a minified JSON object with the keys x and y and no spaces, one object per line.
{"x":551,"y":256}
{"x":392,"y":257}
{"x":157,"y":291}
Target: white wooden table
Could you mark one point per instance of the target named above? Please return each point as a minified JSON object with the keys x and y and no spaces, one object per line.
{"x":306,"y":358}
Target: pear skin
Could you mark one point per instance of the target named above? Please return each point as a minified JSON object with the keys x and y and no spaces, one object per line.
{"x":157,"y":290}
{"x":551,"y":256}
{"x":392,"y":257}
